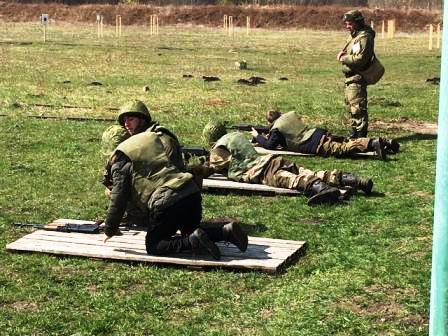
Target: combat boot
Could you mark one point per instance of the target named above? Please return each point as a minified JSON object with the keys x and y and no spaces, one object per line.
{"x":201,"y":242}
{"x":392,"y":146}
{"x":321,"y":192}
{"x":358,"y":182}
{"x":233,"y":233}
{"x":377,"y":146}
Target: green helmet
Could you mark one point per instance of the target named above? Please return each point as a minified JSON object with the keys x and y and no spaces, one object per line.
{"x":134,"y":108}
{"x":353,"y":15}
{"x":213,"y":131}
{"x":111,"y":138}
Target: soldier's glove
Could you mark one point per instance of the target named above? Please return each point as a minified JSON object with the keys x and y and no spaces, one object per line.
{"x":203,"y":171}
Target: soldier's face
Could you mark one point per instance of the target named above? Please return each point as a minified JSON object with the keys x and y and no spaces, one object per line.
{"x":131,"y":124}
{"x":350,"y":25}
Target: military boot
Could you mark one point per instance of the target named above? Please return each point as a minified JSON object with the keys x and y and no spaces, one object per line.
{"x":233,"y":233}
{"x":321,"y":192}
{"x":201,"y":242}
{"x":358,"y":182}
{"x":377,"y":146}
{"x":392,"y":146}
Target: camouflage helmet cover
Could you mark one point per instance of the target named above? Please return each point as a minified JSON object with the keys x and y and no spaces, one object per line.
{"x":213,"y":131}
{"x":111,"y":138}
{"x":134,"y":108}
{"x":353,"y":15}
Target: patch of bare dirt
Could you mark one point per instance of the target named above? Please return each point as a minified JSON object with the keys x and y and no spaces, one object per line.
{"x":291,"y":17}
{"x":421,"y":127}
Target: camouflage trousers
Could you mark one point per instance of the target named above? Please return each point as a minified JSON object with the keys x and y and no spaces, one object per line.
{"x":340,"y":147}
{"x":284,"y":174}
{"x":356,"y":102}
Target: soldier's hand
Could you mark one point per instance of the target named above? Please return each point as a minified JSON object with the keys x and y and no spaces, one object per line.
{"x":254,"y":132}
{"x":107,"y":192}
{"x":118,"y":233}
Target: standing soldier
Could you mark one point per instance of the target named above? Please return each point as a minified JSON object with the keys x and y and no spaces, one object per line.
{"x":356,"y":56}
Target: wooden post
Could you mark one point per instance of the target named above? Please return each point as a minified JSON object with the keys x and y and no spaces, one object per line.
{"x":101,"y":26}
{"x":438,"y":36}
{"x":45,"y":33}
{"x":247,"y":25}
{"x":225,"y":23}
{"x":154,"y":24}
{"x":390,"y":28}
{"x":230,"y":30}
{"x":382,"y":29}
{"x":98,"y":29}
{"x":118,"y":25}
{"x":431,"y":28}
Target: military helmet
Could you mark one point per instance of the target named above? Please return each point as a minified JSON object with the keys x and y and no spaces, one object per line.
{"x":111,"y":138}
{"x":213,"y":131}
{"x":353,"y":15}
{"x":135,"y":108}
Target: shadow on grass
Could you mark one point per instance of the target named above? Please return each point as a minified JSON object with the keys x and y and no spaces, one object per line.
{"x":417,"y":137}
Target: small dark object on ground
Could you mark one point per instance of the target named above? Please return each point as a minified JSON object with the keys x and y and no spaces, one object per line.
{"x":94,"y":83}
{"x":210,"y":78}
{"x":253,"y":80}
{"x":434,"y":80}
{"x":283,"y":78}
{"x":187,"y":76}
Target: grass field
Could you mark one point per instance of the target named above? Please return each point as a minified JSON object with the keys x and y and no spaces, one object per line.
{"x":367,"y":267}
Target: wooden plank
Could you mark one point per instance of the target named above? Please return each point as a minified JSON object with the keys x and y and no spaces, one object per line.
{"x":261,"y":150}
{"x":224,"y":184}
{"x":263,"y":254}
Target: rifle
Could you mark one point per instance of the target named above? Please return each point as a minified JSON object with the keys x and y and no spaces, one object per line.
{"x":65,"y":227}
{"x":189,"y":151}
{"x":248,"y":127}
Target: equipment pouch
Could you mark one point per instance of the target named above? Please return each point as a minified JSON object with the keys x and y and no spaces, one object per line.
{"x":374,"y":72}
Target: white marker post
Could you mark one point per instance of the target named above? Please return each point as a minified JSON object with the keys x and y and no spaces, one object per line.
{"x":438,"y":36}
{"x":44,"y":21}
{"x":98,"y":28}
{"x":247,"y":25}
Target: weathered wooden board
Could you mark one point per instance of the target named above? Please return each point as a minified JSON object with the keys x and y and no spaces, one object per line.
{"x":220,"y":183}
{"x":261,"y":150}
{"x":263,"y":254}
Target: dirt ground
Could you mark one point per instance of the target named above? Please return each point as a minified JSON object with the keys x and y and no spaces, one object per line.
{"x":286,"y":17}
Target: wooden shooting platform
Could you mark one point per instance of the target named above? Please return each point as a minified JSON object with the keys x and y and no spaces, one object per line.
{"x":221,"y":183}
{"x":261,"y":150}
{"x":263,"y":254}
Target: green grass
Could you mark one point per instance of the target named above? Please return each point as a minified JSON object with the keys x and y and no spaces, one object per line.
{"x":367,"y":268}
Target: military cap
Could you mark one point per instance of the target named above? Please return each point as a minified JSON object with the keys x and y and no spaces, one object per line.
{"x":213,"y":131}
{"x":135,"y":108}
{"x":353,"y":15}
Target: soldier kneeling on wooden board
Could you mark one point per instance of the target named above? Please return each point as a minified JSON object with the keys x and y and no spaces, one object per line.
{"x":170,"y":199}
{"x":234,"y":156}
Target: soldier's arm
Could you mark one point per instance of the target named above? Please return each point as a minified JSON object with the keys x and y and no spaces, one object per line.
{"x":273,"y":141}
{"x":120,"y":194}
{"x":360,"y":59}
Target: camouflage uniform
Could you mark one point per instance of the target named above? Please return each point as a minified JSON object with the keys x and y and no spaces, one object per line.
{"x":144,"y":176}
{"x":297,"y":134}
{"x":359,"y":52}
{"x":234,"y":156}
{"x":116,"y":134}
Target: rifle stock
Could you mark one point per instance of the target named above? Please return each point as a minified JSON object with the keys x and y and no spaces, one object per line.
{"x":189,"y":151}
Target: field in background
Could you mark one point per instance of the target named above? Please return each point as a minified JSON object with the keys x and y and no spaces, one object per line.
{"x":366,"y":271}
